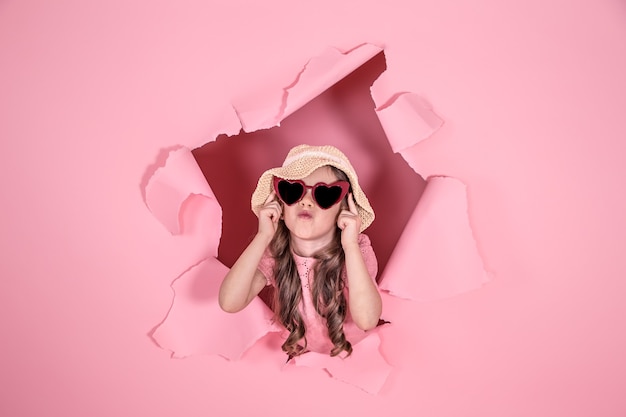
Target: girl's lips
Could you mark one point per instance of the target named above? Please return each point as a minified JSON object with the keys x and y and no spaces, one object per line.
{"x":304,"y":215}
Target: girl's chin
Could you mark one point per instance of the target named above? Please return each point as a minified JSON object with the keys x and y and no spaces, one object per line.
{"x":305,"y":233}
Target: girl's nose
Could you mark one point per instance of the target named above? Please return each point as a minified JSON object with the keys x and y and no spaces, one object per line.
{"x":307,"y":200}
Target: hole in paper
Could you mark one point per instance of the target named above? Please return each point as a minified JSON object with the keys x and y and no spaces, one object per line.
{"x":342,"y":116}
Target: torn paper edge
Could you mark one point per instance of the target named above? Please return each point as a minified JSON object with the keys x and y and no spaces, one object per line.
{"x":257,"y":322}
{"x":366,"y":357}
{"x":438,"y":246}
{"x":393,"y":110}
{"x":317,"y":75}
{"x":176,"y":175}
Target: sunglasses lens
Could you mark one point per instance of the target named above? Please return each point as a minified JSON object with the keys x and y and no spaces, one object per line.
{"x":327,"y":196}
{"x":290,"y":192}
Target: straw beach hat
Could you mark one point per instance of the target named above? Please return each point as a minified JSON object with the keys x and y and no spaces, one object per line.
{"x":302,"y":161}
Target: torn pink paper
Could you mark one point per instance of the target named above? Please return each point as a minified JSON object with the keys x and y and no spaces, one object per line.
{"x":196,"y":325}
{"x":406,"y":117}
{"x":364,"y":368}
{"x":402,"y":131}
{"x":172,"y":184}
{"x":318,"y":75}
{"x":437,"y":247}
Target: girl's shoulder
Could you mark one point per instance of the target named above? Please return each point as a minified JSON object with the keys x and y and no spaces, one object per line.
{"x":266,"y":266}
{"x":364,"y":240}
{"x":369,"y":257}
{"x":366,"y":246}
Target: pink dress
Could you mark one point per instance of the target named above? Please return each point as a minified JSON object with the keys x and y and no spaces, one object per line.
{"x":315,"y":325}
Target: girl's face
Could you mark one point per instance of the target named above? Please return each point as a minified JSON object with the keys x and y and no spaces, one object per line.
{"x":305,"y":219}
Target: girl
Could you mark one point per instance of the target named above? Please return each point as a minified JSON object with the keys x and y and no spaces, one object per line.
{"x":309,"y":247}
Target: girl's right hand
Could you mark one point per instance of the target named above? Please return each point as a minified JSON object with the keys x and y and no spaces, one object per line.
{"x":269,"y":216}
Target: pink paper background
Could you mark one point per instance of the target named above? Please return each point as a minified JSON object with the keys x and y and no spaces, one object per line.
{"x":533,"y":96}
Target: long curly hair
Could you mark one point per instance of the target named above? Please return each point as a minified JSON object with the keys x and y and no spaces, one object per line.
{"x":327,"y":290}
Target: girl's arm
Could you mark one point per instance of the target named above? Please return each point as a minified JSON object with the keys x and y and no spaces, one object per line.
{"x":364,"y":299}
{"x":244,"y":281}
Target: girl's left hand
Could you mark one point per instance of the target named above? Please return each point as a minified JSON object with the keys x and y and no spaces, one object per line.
{"x":350,"y":223}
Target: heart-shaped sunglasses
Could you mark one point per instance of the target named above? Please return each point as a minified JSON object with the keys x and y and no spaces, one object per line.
{"x":325,"y":195}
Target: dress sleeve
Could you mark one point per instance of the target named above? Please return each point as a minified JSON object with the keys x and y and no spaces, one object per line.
{"x":266,"y":266}
{"x":369,"y":257}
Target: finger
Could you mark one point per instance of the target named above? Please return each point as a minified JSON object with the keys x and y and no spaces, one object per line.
{"x":271,"y":209}
{"x":341,"y":221}
{"x":275,"y":213}
{"x":270,"y":197}
{"x":352,"y":204}
{"x":346,"y":219}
